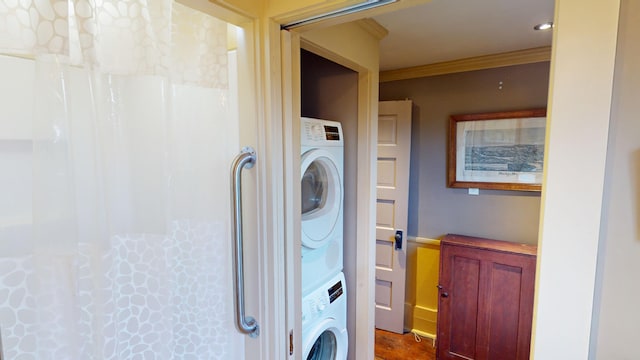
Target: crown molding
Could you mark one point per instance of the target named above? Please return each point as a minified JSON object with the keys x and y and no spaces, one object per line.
{"x":519,"y":57}
{"x":373,"y":27}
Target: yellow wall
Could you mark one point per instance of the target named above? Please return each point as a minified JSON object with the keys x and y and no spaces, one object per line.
{"x":421,"y":304}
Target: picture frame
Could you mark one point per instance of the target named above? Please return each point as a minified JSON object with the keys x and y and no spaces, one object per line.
{"x":497,"y":150}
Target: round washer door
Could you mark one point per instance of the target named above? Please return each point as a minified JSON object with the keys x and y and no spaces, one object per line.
{"x":326,"y":342}
{"x":321,"y":189}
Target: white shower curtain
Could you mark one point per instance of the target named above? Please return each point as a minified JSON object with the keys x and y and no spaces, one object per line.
{"x":125,"y":254}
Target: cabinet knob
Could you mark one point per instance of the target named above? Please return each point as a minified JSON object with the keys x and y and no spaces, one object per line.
{"x":444,"y":295}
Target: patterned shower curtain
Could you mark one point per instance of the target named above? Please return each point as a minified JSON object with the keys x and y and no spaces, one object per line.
{"x":124,"y":254}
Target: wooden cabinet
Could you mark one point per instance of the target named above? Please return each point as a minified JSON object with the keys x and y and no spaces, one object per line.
{"x":486,"y":299}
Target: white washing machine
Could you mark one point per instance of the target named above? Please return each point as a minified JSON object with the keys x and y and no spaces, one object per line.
{"x":324,"y":321}
{"x":322,"y":158}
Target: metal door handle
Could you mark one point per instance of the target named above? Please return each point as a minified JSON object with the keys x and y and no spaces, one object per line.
{"x":245,"y":159}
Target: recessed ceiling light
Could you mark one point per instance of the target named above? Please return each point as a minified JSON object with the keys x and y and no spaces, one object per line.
{"x":543,"y":26}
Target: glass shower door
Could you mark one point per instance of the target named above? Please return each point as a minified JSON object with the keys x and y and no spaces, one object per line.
{"x":119,"y":125}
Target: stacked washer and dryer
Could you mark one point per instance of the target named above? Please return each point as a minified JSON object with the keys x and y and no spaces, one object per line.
{"x":324,"y":293}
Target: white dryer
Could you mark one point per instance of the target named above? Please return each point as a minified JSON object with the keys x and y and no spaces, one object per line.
{"x":322,"y":156}
{"x":324,"y":321}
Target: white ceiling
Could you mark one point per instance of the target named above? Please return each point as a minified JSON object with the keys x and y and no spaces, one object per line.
{"x":444,"y":30}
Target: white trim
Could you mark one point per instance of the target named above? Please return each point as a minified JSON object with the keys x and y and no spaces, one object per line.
{"x":367,"y":174}
{"x":575,"y":157}
{"x":424,"y":241}
{"x":292,"y":208}
{"x":275,"y":343}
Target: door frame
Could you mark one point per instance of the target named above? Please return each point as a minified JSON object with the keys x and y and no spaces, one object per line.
{"x":580,"y":92}
{"x":559,"y":239}
{"x":342,"y":53}
{"x":401,"y":110}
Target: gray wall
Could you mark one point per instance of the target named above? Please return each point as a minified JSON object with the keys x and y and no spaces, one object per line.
{"x":434,"y":209}
{"x":616,"y":322}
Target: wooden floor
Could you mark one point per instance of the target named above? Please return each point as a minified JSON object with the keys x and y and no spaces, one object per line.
{"x":391,"y":346}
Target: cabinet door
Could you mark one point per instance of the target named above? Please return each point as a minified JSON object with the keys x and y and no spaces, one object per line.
{"x":486,"y":304}
{"x":459,"y":301}
{"x":505,"y":318}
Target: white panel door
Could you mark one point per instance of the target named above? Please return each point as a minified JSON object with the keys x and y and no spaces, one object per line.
{"x":394,"y":149}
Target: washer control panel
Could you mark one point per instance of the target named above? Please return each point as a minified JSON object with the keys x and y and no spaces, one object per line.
{"x":314,"y":304}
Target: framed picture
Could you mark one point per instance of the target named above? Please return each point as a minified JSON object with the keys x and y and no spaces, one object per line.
{"x":498,"y":151}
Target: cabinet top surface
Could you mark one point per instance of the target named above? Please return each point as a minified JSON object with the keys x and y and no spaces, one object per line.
{"x":489,"y":244}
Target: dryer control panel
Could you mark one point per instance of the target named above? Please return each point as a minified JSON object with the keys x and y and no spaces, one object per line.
{"x":317,"y":131}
